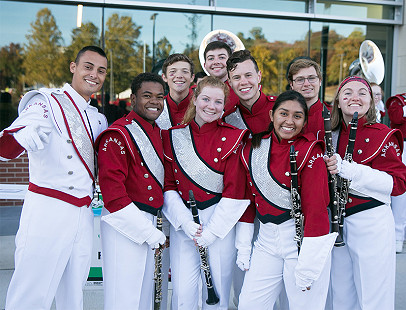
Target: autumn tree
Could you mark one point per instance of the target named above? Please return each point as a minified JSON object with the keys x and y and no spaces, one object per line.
{"x":121,"y":47}
{"x":346,"y":51}
{"x":44,"y":61}
{"x":11,"y":61}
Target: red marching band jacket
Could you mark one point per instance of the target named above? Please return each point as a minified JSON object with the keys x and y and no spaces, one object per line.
{"x":395,"y":105}
{"x":218,"y":145}
{"x":312,"y":176}
{"x":177,"y":111}
{"x":378,"y":147}
{"x":315,"y":121}
{"x":124,"y":174}
{"x":257,"y":120}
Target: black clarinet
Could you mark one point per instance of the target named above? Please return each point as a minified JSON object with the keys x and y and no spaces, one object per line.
{"x":296,"y":211}
{"x":343,"y":185}
{"x":332,"y":180}
{"x":158,"y":267}
{"x":212,"y":297}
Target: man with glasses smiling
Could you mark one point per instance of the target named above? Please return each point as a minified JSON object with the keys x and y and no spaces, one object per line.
{"x":304,"y":76}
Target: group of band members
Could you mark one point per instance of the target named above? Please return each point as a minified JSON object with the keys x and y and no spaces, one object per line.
{"x":231,"y":145}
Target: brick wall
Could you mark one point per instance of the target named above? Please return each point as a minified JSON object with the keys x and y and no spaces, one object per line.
{"x":14,"y":171}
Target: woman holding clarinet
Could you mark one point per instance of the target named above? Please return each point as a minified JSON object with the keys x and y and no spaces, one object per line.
{"x":363,"y":270}
{"x":288,"y":178}
{"x":202,"y":155}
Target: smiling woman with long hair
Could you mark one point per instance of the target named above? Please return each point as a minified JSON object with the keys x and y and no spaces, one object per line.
{"x":202,"y":155}
{"x":363,"y":271}
{"x":275,"y":259}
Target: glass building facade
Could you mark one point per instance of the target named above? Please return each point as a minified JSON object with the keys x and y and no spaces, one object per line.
{"x":37,"y":37}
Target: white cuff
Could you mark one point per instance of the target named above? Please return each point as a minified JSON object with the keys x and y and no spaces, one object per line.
{"x":404,"y":111}
{"x":371,"y":182}
{"x":314,"y":254}
{"x":226,"y":214}
{"x":131,"y":222}
{"x":175,"y":210}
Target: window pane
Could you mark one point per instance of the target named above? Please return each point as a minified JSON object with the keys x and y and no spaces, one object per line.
{"x":132,"y":53}
{"x":272,"y":42}
{"x":298,"y":6}
{"x":344,"y":42}
{"x":192,"y":2}
{"x":358,"y":10}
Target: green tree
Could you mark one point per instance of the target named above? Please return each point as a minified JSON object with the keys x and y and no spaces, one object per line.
{"x":44,"y":61}
{"x":164,"y":48}
{"x":121,"y":47}
{"x":11,"y":71}
{"x":87,"y":34}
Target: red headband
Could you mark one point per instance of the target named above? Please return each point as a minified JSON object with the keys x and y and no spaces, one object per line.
{"x":355,"y":79}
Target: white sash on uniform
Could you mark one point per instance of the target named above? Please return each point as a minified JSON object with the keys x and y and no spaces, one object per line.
{"x":269,"y":189}
{"x":192,"y":165}
{"x":164,"y":120}
{"x":77,"y":130}
{"x":236,"y":119}
{"x":147,"y":151}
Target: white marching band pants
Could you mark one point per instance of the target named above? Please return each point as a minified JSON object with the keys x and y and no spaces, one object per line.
{"x":186,"y":273}
{"x":53,"y":251}
{"x":238,"y":278}
{"x":128,"y":271}
{"x":273,"y":264}
{"x":363,"y":271}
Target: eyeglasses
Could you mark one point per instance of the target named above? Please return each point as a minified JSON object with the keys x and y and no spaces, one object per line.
{"x":300,"y":80}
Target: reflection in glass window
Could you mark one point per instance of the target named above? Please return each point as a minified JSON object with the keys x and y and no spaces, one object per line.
{"x":358,"y":10}
{"x":36,"y":50}
{"x":272,"y":42}
{"x":168,"y":32}
{"x":298,"y":6}
{"x":192,"y":2}
{"x":138,"y":40}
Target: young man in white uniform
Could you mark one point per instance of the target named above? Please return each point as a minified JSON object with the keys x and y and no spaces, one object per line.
{"x":57,"y":127}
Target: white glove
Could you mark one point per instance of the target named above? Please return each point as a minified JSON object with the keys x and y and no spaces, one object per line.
{"x":345,"y":169}
{"x":156,"y":239}
{"x":404,"y":111}
{"x":206,"y":239}
{"x":190,"y":228}
{"x":243,"y":243}
{"x":33,"y":137}
{"x":243,"y":260}
{"x":303,"y":283}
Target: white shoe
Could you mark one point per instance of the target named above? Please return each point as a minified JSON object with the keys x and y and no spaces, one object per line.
{"x":399,"y":246}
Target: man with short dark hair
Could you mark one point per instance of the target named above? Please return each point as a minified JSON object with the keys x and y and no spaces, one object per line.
{"x":251,"y":112}
{"x":252,"y":109}
{"x":178,"y":73}
{"x":131,"y":181}
{"x":216,"y":54}
{"x":57,"y":127}
{"x":305,"y":77}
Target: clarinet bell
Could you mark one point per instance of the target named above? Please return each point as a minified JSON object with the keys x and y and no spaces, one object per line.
{"x":212,"y":297}
{"x":339,"y":241}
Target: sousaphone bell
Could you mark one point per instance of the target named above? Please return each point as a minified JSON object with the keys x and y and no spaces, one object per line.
{"x":370,"y":63}
{"x":219,"y":35}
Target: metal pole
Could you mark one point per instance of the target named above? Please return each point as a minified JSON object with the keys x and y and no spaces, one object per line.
{"x":153,"y":17}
